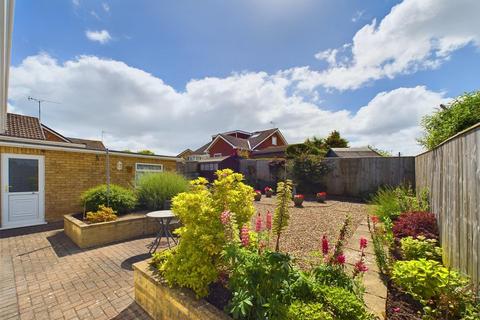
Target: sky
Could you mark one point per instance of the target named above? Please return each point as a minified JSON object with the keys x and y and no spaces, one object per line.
{"x":166,"y":75}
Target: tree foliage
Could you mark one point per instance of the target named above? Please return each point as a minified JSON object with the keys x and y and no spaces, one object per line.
{"x":307,"y":171}
{"x":146,"y":152}
{"x":316,"y":145}
{"x":447,"y":121}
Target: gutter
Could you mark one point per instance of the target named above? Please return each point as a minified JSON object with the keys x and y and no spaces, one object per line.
{"x":72,"y":147}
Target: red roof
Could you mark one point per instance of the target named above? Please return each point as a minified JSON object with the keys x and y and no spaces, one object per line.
{"x":27,"y":127}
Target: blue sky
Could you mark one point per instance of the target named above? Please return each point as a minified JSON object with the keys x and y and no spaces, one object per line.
{"x":198,"y":54}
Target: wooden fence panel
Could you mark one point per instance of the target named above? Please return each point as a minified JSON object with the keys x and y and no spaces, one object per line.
{"x":451,"y":172}
{"x":358,"y":177}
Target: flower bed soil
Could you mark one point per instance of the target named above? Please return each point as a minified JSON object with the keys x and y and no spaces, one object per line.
{"x":400,"y":305}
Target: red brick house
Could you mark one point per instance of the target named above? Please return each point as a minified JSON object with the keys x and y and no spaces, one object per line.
{"x":241,"y":143}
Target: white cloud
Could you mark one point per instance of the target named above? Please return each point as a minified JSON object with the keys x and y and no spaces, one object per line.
{"x":138,"y":110}
{"x":358,"y":15}
{"x":106,"y":7}
{"x":102,"y":36}
{"x":95,"y":15}
{"x":414,"y":35}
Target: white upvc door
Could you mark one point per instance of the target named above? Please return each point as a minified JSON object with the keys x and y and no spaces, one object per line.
{"x":23,"y":190}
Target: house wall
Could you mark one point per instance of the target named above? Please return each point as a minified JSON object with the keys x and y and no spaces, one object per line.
{"x":268,"y":143}
{"x":68,"y":174}
{"x":220,"y":146}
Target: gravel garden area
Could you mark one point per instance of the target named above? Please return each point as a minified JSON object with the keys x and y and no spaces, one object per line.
{"x":307,"y":225}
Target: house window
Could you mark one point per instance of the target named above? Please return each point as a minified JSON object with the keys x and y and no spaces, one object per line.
{"x":208,"y":166}
{"x":217,"y":155}
{"x":274,"y":140}
{"x":146,"y":168}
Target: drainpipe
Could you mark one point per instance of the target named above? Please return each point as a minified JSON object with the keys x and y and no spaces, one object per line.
{"x":108,"y":176}
{"x":6,"y":27}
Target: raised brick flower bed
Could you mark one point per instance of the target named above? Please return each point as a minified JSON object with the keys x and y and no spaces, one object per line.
{"x":164,"y":303}
{"x":125,"y":228}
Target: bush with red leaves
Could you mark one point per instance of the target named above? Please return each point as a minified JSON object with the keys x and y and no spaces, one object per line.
{"x":416,"y":224}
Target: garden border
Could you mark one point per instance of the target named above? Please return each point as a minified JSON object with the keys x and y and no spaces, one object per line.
{"x":164,"y":303}
{"x":90,"y":235}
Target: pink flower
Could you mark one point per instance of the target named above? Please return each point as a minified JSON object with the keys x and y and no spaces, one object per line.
{"x":225,"y":217}
{"x":268,"y":189}
{"x":325,"y":245}
{"x":258,"y":191}
{"x":396,"y":309}
{"x":363,"y":243}
{"x":258,"y":223}
{"x":299,"y":196}
{"x":360,"y":266}
{"x":245,"y":235}
{"x":341,"y":259}
{"x":375,"y":219}
{"x":269,"y":220}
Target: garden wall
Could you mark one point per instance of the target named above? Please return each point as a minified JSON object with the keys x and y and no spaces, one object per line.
{"x":452,"y":174}
{"x":359,"y":177}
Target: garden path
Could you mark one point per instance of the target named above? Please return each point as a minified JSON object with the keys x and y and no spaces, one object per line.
{"x":375,"y":290}
{"x":44,"y":275}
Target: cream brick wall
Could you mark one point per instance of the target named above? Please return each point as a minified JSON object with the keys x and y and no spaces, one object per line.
{"x":68,"y":174}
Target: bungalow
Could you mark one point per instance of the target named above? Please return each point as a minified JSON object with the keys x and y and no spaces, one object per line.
{"x":238,"y":142}
{"x":43,"y":172}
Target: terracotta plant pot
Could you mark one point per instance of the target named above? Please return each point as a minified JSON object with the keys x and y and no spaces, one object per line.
{"x":321,"y":196}
{"x":268,"y":193}
{"x":298,"y":200}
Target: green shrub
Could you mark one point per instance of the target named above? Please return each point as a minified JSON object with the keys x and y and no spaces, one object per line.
{"x":425,"y":279}
{"x":299,"y":310}
{"x":194,"y":263}
{"x":121,"y":199}
{"x":342,"y":303}
{"x":103,"y":214}
{"x":459,"y":115}
{"x":445,"y":294}
{"x":259,"y":283}
{"x":389,"y":202}
{"x":153,"y":189}
{"x":333,"y":275}
{"x":421,"y":247}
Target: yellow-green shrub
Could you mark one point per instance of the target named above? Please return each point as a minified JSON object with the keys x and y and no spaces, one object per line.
{"x":103,"y":214}
{"x":194,"y":262}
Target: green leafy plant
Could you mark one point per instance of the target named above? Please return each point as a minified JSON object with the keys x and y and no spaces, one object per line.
{"x":334,"y":275}
{"x":259,"y":283}
{"x":420,"y":247}
{"x":342,"y":303}
{"x":118,"y":198}
{"x":103,"y":214}
{"x":153,"y":189}
{"x":389,"y":203}
{"x":307,"y":171}
{"x":280,"y":220}
{"x":444,"y":293}
{"x":425,"y":279}
{"x":300,"y":310}
{"x":196,"y":261}
{"x":447,"y":121}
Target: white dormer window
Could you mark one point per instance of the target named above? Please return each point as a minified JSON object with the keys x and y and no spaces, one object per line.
{"x":274,"y":140}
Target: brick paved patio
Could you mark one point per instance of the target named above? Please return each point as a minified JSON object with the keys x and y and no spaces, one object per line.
{"x":43,"y":275}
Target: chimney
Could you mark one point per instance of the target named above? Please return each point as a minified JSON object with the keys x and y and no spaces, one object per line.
{"x":6,"y":27}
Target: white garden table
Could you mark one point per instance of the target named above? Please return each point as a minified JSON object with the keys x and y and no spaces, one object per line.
{"x":164,"y":218}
